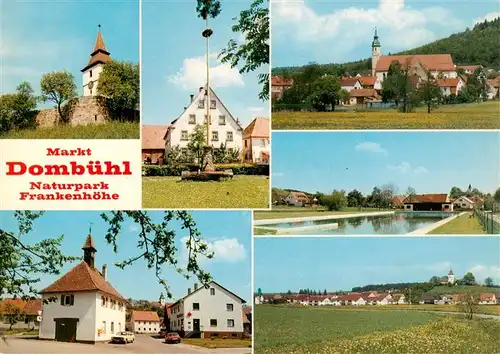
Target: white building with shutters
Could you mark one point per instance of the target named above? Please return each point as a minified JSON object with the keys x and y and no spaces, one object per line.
{"x":208,"y":311}
{"x":224,"y":128}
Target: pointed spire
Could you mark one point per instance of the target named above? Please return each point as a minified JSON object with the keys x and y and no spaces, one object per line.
{"x":99,"y":43}
{"x":100,"y":54}
{"x":89,"y":243}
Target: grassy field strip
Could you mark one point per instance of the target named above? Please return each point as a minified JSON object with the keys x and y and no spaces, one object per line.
{"x":111,"y":130}
{"x":218,"y":343}
{"x":240,"y":192}
{"x":316,"y":218}
{"x":425,"y":230}
{"x":464,"y":225}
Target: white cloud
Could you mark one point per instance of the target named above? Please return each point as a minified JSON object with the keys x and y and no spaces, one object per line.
{"x":193,"y":73}
{"x":227,"y":250}
{"x":489,"y":17}
{"x":344,"y":28}
{"x":406,"y":167}
{"x":371,"y":147}
{"x":482,"y":271}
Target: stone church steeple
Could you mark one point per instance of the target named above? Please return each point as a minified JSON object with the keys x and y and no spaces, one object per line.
{"x":92,"y":70}
{"x":375,"y":52}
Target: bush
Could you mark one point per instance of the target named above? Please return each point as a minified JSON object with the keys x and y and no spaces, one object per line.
{"x":176,"y":170}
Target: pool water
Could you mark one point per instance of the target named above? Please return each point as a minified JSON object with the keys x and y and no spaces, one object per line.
{"x":393,"y":224}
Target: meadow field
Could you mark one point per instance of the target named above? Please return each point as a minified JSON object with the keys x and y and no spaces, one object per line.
{"x":306,"y":330}
{"x":240,"y":192}
{"x":463,"y":225}
{"x":483,"y":115}
{"x":111,"y":130}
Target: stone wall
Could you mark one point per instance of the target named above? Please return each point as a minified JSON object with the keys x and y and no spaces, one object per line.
{"x":79,"y":111}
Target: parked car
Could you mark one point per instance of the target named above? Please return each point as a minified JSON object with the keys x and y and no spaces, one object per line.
{"x":123,"y":337}
{"x":172,"y":337}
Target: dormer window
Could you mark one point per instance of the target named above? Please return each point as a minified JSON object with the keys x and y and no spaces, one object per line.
{"x":67,"y":300}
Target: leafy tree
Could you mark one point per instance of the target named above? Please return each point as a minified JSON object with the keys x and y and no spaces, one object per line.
{"x":469,"y":279}
{"x":344,"y":96}
{"x":253,"y":24}
{"x":259,"y":292}
{"x":6,"y":103}
{"x":335,"y":201}
{"x":156,"y":243}
{"x":17,"y":109}
{"x":387,"y":192}
{"x":208,"y":8}
{"x":325,"y":292}
{"x":197,"y":142}
{"x":325,"y":92}
{"x":355,"y":198}
{"x":429,"y":92}
{"x":488,"y":282}
{"x":289,"y":292}
{"x":411,"y":193}
{"x":435,"y":280}
{"x":119,"y":82}
{"x":58,"y":87}
{"x":456,"y":192}
{"x":22,"y":262}
{"x":13,"y":314}
{"x":496,"y":196}
{"x":469,"y":303}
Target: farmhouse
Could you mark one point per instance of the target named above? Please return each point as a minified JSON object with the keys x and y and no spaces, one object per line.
{"x":86,"y":308}
{"x":297,"y":199}
{"x":350,"y":83}
{"x":450,"y":86}
{"x":428,"y":202}
{"x":144,"y":322}
{"x":463,"y":203}
{"x":208,"y":311}
{"x":494,"y":88}
{"x":29,"y":311}
{"x":224,"y":128}
{"x":364,"y":96}
{"x":256,"y":141}
{"x":487,"y":299}
{"x":370,"y":82}
{"x":397,"y":201}
{"x":153,"y":143}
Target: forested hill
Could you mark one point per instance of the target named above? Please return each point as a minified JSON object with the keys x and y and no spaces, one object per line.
{"x":481,"y":45}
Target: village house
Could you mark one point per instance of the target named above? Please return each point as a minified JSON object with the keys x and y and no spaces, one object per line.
{"x":208,"y":311}
{"x":297,"y":199}
{"x":450,"y":86}
{"x":494,"y":88}
{"x":364,"y":96}
{"x":223,"y":127}
{"x":487,"y":299}
{"x":256,"y":141}
{"x":469,"y":69}
{"x":87,"y":308}
{"x":29,"y":312}
{"x":428,"y":202}
{"x":247,"y":319}
{"x":463,"y":202}
{"x":427,"y":299}
{"x":398,"y":299}
{"x":144,"y":322}
{"x":370,"y":82}
{"x":279,"y":85}
{"x":153,"y":143}
{"x":350,"y":83}
{"x":397,"y":201}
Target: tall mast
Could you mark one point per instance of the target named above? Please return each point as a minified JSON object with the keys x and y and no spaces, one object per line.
{"x":208,"y":84}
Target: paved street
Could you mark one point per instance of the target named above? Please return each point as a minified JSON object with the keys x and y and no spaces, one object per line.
{"x":142,"y":344}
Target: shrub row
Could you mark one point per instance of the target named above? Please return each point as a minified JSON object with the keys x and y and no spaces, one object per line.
{"x":176,"y":170}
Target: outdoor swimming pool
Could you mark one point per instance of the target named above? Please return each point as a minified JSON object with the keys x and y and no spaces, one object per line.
{"x":392,"y":224}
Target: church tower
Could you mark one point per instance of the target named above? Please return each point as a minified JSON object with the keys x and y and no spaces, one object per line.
{"x":91,"y":72}
{"x":375,"y":52}
{"x":451,"y":277}
{"x":89,"y":251}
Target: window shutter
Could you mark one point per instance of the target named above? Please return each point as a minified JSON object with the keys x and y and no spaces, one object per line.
{"x":72,"y":299}
{"x":62,"y":300}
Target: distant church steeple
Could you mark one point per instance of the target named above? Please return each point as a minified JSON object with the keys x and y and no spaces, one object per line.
{"x":92,"y":70}
{"x":375,"y":52}
{"x":89,"y":251}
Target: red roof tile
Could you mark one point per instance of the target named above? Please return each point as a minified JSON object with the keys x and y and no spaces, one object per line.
{"x":89,"y":242}
{"x":348,"y":81}
{"x":150,"y":316}
{"x":281,"y":81}
{"x":82,"y":278}
{"x":427,"y":198}
{"x":442,"y":62}
{"x":258,"y":128}
{"x":452,"y":82}
{"x":367,"y":80}
{"x":468,"y":67}
{"x":364,"y":93}
{"x":152,"y":136}
{"x":487,"y":297}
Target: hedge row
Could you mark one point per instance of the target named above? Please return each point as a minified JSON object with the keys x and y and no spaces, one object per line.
{"x":176,"y":170}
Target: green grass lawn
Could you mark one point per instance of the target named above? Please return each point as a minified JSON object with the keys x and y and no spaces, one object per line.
{"x":464,"y":225}
{"x":219,"y":343}
{"x":240,"y":192}
{"x":112,"y":130}
{"x":462,"y":116}
{"x":285,"y":329}
{"x":306,"y":330}
{"x":292,"y":212}
{"x":483,"y":309}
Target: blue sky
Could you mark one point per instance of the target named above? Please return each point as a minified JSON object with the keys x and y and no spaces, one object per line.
{"x":430,"y":162}
{"x":43,"y":36}
{"x":173,"y":62}
{"x":283,"y":264}
{"x":306,"y":31}
{"x":228,"y":234}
